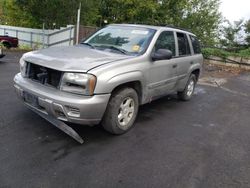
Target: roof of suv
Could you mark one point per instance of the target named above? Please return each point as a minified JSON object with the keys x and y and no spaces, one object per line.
{"x":155,"y":27}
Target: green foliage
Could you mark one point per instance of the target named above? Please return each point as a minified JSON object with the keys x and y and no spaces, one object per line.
{"x":245,"y":53}
{"x":207,"y":52}
{"x":202,"y":17}
{"x":247,"y":30}
{"x":25,"y":47}
{"x":54,"y":13}
{"x":13,"y":15}
{"x":247,"y":26}
{"x":231,"y":34}
{"x":128,"y":11}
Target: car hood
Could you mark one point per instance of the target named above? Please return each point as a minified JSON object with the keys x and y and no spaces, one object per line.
{"x":78,"y":58}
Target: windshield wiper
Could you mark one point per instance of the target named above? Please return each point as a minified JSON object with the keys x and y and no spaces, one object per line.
{"x":88,"y":44}
{"x":114,"y":48}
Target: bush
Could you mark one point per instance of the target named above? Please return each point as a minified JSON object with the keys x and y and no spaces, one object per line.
{"x":224,"y":54}
{"x":215,"y":52}
{"x":245,"y":53}
{"x":1,"y":45}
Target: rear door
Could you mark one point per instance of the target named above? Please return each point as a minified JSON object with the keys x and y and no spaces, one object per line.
{"x":197,"y":56}
{"x":184,"y":57}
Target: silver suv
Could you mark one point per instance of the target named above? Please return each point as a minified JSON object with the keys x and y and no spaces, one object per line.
{"x":109,"y":75}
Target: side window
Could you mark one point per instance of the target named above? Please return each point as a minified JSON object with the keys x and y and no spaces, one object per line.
{"x":195,"y":44}
{"x":166,"y":41}
{"x":184,"y":48}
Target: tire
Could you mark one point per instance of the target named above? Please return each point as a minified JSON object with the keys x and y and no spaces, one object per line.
{"x":121,"y":111}
{"x":188,"y":92}
{"x":7,"y":45}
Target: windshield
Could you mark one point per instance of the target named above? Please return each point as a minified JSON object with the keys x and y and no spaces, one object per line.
{"x":121,"y":39}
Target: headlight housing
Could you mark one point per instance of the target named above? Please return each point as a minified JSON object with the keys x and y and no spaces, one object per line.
{"x":78,"y":83}
{"x":23,"y":67}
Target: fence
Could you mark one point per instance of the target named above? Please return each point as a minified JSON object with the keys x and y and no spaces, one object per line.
{"x":85,"y":31}
{"x":38,"y":38}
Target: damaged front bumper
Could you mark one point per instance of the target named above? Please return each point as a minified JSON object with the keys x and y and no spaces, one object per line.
{"x":61,"y":106}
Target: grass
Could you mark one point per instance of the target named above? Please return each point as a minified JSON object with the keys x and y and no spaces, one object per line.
{"x":25,"y":47}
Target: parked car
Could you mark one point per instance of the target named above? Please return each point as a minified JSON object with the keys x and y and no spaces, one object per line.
{"x":109,"y":75}
{"x":8,"y":41}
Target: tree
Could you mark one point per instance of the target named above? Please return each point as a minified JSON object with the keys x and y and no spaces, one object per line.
{"x":54,"y":13}
{"x":128,"y":11}
{"x":13,"y":15}
{"x":231,"y":34}
{"x":199,"y":16}
{"x":202,"y":17}
{"x":247,"y":31}
{"x":50,"y":12}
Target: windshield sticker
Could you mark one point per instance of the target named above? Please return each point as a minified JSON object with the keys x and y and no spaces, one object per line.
{"x":136,"y":48}
{"x":139,"y":32}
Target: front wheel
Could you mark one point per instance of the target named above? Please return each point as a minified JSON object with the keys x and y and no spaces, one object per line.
{"x":7,"y":45}
{"x":189,"y":89}
{"x":121,"y":111}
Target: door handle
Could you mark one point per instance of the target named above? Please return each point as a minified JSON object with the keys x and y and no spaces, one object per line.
{"x":175,"y":65}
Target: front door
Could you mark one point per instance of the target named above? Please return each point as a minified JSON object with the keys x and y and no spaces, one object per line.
{"x":162,"y":74}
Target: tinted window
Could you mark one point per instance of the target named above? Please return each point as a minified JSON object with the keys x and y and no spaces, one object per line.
{"x":196,"y":45}
{"x":166,"y":41}
{"x":184,"y":48}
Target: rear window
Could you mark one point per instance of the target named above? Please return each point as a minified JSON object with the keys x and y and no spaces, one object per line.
{"x":184,"y":48}
{"x":196,"y":45}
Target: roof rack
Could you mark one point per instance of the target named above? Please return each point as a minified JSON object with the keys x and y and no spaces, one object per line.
{"x":174,"y":27}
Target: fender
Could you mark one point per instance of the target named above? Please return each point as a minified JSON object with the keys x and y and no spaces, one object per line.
{"x":193,"y":68}
{"x":109,"y":85}
{"x":182,"y":83}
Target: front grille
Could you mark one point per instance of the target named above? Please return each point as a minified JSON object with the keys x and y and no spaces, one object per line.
{"x":44,"y":75}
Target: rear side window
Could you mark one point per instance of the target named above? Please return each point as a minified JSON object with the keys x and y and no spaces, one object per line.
{"x":196,"y":45}
{"x":184,"y":48}
{"x":166,"y":41}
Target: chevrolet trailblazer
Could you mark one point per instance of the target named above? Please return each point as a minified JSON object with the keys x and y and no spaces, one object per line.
{"x":109,"y":75}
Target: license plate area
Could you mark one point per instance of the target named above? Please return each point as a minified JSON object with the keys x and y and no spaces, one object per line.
{"x":30,"y":99}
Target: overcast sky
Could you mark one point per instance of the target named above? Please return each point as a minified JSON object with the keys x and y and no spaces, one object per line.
{"x":234,"y":10}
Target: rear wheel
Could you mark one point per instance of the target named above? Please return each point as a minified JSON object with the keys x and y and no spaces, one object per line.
{"x":189,"y":89}
{"x":7,"y":45}
{"x":121,"y":111}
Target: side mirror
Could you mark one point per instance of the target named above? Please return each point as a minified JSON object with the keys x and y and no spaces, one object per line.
{"x":162,"y":54}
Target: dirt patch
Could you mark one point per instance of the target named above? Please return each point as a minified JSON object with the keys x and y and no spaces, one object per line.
{"x":221,"y":71}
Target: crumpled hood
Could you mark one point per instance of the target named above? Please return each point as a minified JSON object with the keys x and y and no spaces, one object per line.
{"x":72,"y":58}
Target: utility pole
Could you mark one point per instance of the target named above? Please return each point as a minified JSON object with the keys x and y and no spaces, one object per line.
{"x":78,"y":24}
{"x":44,"y":35}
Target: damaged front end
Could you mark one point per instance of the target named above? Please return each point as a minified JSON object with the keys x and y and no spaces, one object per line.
{"x":60,"y":98}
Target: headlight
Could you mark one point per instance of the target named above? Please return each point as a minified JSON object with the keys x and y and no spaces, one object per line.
{"x":78,"y":83}
{"x":23,"y":67}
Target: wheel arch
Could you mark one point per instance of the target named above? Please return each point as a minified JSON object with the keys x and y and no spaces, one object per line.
{"x":110,"y":84}
{"x":196,"y":72}
{"x":136,"y":85}
{"x":5,"y":42}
